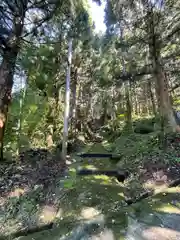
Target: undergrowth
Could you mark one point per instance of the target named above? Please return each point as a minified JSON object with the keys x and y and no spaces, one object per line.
{"x":141,"y":142}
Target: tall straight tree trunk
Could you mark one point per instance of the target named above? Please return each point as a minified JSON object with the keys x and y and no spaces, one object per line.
{"x":135,"y":100}
{"x":127,"y":94}
{"x":144,"y":101}
{"x":67,"y":102}
{"x":128,"y":108}
{"x":152,"y":98}
{"x":74,"y":101}
{"x":50,"y":116}
{"x":136,"y":104}
{"x":88,"y":108}
{"x":164,"y":103}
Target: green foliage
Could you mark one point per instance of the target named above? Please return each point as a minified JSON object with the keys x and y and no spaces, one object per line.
{"x":133,"y":144}
{"x":34,"y":125}
{"x":45,"y":65}
{"x":99,"y":78}
{"x":70,"y":182}
{"x":98,"y":60}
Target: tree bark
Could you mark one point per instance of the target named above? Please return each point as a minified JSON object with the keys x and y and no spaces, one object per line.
{"x":128,"y":108}
{"x":7,"y":68}
{"x":6,"y":83}
{"x":67,"y":102}
{"x":165,"y":106}
{"x":74,"y":102}
{"x":145,"y":99}
{"x":152,"y":98}
{"x":164,"y":103}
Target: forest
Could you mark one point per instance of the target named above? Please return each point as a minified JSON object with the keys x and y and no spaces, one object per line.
{"x":89,"y":121}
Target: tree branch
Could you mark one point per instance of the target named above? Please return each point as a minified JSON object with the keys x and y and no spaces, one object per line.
{"x":151,"y":193}
{"x":41,"y":4}
{"x":174,"y":31}
{"x":45,"y":19}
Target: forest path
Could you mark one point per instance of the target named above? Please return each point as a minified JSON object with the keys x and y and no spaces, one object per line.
{"x":94,"y":208}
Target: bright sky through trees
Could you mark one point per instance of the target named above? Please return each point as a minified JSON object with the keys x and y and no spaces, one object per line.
{"x":97,"y":13}
{"x":98,"y":16}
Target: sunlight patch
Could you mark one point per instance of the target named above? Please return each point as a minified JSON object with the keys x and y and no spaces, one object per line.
{"x":138,"y":230}
{"x":107,"y":182}
{"x":172,"y":190}
{"x":105,"y":234}
{"x":89,"y":213}
{"x":168,"y":209}
{"x":17,"y":192}
{"x":160,"y":233}
{"x":103,"y":177}
{"x":149,"y":185}
{"x":91,"y":167}
{"x":121,"y":194}
{"x":48,"y":214}
{"x":73,"y":170}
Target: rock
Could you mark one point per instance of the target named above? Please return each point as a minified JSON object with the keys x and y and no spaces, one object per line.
{"x":167,"y":228}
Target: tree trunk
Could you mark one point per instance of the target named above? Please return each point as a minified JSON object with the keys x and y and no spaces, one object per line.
{"x":145,"y":99}
{"x":6,"y":83}
{"x":89,"y":102}
{"x":78,"y":122}
{"x":67,"y":102}
{"x":164,"y":103}
{"x":152,"y":98}
{"x":135,"y":99}
{"x":128,"y":109}
{"x":74,"y":102}
{"x":7,"y":68}
{"x":127,"y":95}
{"x":50,"y":123}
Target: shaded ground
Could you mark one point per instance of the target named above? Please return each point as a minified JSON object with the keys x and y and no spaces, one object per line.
{"x":162,"y":167}
{"x":150,"y":167}
{"x":34,"y":167}
{"x":92,"y":206}
{"x":159,"y":174}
